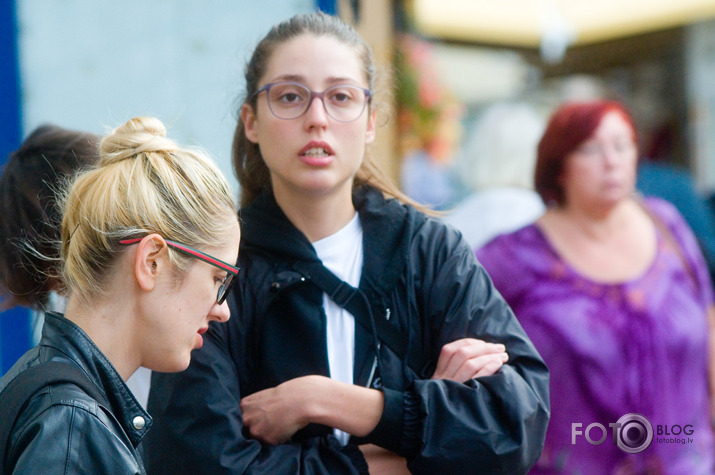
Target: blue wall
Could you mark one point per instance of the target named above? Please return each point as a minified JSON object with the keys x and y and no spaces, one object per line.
{"x":15,"y":323}
{"x":55,"y":68}
{"x":59,"y":64}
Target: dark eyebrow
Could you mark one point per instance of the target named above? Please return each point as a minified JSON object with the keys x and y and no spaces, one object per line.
{"x":301,"y":79}
{"x":289,"y":77}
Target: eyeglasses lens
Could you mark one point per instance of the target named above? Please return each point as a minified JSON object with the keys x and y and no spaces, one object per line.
{"x":224,"y":289}
{"x":343,"y":103}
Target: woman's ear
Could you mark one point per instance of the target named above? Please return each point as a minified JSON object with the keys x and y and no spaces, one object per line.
{"x":371,"y":123}
{"x":150,"y":259}
{"x":248,"y":117}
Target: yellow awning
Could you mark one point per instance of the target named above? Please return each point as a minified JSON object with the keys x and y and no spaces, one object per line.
{"x":525,"y":23}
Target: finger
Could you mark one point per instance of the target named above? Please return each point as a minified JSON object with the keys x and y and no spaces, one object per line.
{"x":492,"y":366}
{"x":485,"y":365}
{"x":455,"y":356}
{"x":461,"y":349}
{"x":493,"y":348}
{"x":446,"y":354}
{"x":470,"y":347}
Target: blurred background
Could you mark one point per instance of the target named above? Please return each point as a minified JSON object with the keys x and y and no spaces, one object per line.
{"x":466,"y":85}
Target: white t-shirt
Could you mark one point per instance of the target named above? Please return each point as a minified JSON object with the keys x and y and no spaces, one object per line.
{"x":342,"y":253}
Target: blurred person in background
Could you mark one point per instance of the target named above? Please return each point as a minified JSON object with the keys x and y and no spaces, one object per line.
{"x":657,"y":176}
{"x":320,"y":388}
{"x":497,"y":166}
{"x":615,"y":294}
{"x":30,"y":224}
{"x":29,"y":216}
{"x":137,"y":229}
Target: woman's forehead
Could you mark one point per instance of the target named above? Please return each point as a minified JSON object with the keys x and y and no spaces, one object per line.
{"x":321,"y":59}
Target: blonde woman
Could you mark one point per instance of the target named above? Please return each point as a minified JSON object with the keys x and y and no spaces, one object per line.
{"x":146,"y":239}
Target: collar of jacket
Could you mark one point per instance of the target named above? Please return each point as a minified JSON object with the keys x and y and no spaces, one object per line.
{"x":65,"y":336}
{"x":386,"y":226}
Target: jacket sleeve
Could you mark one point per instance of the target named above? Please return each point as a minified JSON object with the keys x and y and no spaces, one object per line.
{"x":72,"y":437}
{"x":198,"y":424}
{"x":493,"y":424}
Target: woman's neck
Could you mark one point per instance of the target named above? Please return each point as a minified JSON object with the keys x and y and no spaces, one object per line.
{"x":106,"y":326}
{"x":597,"y":222}
{"x":605,"y":247}
{"x":317,"y":216}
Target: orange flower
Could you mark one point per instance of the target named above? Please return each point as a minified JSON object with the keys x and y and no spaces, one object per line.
{"x":429,"y":114}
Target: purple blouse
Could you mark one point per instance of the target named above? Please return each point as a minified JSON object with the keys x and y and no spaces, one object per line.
{"x":638,"y":346}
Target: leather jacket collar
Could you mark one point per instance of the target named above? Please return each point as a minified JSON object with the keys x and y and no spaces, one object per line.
{"x":69,"y":339}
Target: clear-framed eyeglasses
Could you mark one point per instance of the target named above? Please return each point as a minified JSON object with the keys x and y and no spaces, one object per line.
{"x":290,"y":100}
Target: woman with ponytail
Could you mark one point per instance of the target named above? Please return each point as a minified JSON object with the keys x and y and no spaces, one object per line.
{"x":423,"y":368}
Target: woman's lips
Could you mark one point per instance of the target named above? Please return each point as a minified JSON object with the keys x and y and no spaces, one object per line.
{"x":201,"y":338}
{"x":317,"y":154}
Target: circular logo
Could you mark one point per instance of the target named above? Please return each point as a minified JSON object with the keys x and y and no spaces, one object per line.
{"x":634,"y":433}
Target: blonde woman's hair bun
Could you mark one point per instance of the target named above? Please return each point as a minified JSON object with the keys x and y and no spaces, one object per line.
{"x":137,"y":136}
{"x":144,"y":183}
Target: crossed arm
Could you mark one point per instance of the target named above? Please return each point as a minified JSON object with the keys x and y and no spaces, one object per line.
{"x":275,"y":414}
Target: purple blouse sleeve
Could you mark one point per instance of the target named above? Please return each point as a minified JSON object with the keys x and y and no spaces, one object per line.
{"x":688,"y":244}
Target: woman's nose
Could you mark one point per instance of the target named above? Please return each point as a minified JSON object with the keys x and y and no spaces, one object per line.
{"x":316,"y":113}
{"x":220,"y":312}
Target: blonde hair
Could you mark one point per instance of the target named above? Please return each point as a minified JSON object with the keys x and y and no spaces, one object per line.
{"x":144,"y":183}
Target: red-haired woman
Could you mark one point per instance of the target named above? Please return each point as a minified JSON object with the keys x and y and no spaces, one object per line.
{"x":614,"y":293}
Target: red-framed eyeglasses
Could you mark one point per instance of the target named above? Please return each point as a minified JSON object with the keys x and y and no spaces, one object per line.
{"x":202,"y":256}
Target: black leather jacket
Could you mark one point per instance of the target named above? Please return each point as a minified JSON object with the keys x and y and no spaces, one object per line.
{"x":62,"y":429}
{"x":419,"y":274}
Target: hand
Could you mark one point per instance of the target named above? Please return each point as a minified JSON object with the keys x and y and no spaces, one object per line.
{"x":382,"y":461}
{"x":275,"y":414}
{"x":462,"y":360}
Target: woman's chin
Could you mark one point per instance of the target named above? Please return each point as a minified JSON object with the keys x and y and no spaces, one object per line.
{"x":175,"y":365}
